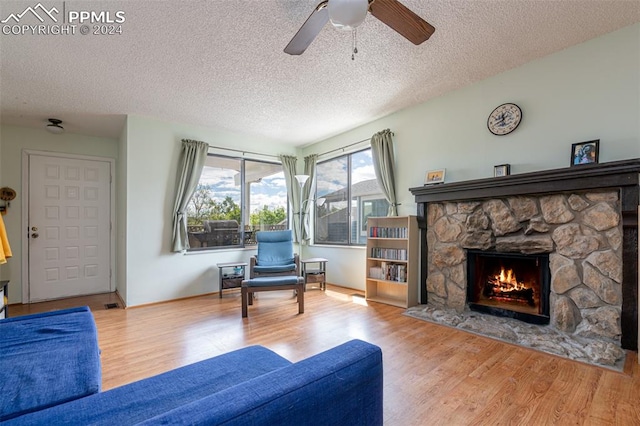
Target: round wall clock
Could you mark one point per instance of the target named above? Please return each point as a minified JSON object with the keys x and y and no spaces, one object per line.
{"x":504,"y":119}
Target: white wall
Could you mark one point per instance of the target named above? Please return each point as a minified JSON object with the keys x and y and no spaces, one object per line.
{"x":589,"y":91}
{"x":121,"y":184}
{"x":153,"y":272}
{"x":14,"y":141}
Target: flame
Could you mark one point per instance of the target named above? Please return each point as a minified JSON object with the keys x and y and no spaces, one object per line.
{"x":506,"y":281}
{"x":505,"y":287}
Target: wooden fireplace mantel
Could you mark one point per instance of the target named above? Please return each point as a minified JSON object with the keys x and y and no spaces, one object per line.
{"x":622,"y":176}
{"x":617,"y":174}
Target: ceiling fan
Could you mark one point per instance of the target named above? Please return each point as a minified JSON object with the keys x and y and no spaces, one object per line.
{"x":348,"y":14}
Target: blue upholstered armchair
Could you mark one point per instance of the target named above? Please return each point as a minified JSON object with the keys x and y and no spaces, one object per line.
{"x":275,"y":255}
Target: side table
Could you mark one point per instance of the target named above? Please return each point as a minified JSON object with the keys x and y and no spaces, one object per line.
{"x":317,"y":274}
{"x":233,"y":278}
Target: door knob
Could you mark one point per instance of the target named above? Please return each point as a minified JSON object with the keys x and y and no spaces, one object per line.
{"x":34,"y":235}
{"x":34,"y":228}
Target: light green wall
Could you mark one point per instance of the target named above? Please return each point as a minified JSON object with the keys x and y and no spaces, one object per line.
{"x":153,"y":272}
{"x":14,"y":141}
{"x":589,"y":91}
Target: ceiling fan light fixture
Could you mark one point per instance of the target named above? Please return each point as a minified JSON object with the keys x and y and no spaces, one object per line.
{"x":54,"y":126}
{"x":347,"y":14}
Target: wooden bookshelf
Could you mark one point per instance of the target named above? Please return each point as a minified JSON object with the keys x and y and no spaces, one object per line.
{"x":392,"y":260}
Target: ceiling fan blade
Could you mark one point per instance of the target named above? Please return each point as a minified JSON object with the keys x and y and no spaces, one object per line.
{"x":309,"y":30}
{"x":400,"y":18}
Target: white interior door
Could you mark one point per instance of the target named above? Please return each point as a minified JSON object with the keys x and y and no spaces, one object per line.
{"x":69,"y":220}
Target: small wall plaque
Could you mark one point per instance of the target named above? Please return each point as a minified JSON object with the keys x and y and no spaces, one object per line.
{"x":502,"y":170}
{"x":434,"y":176}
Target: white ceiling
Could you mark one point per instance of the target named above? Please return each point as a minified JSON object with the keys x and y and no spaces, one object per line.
{"x":220,"y":63}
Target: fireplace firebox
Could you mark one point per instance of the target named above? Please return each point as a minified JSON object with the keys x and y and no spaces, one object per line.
{"x":509,"y":285}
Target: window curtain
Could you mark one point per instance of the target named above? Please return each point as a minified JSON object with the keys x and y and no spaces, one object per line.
{"x":310,"y":170}
{"x":293,"y":192}
{"x":192,"y":158}
{"x":384,"y":166}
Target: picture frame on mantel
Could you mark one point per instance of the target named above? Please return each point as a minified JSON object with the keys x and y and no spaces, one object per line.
{"x":434,"y":176}
{"x":501,"y":170}
{"x":585,"y":153}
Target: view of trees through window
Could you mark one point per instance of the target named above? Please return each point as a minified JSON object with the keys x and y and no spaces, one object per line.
{"x":203,"y":207}
{"x":234,"y":199}
{"x":347,"y":193}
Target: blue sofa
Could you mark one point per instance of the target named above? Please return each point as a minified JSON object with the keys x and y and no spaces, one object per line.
{"x":249,"y":386}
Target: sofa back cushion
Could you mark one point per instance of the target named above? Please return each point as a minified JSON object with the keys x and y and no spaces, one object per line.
{"x":47,"y":359}
{"x":341,"y":386}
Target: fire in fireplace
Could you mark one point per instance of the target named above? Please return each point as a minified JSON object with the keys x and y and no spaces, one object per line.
{"x":509,"y":284}
{"x":505,"y":287}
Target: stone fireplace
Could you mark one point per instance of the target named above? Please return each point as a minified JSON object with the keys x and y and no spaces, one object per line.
{"x":580,"y":232}
{"x":584,"y":219}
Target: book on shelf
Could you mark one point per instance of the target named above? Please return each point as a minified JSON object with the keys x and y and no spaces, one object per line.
{"x":388,"y":253}
{"x":375,"y":272}
{"x":387,"y":232}
{"x":389,"y":272}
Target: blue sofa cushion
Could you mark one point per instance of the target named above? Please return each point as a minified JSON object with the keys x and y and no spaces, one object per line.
{"x":271,"y":281}
{"x":341,"y":386}
{"x":138,"y":401}
{"x":47,"y":359}
{"x":275,"y":248}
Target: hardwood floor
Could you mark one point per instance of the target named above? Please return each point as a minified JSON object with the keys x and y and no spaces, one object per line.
{"x":434,"y":375}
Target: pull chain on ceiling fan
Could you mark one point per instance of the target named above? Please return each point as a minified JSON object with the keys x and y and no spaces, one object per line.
{"x":348,"y":14}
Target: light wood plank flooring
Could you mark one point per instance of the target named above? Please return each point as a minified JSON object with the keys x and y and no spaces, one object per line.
{"x":433,"y":375}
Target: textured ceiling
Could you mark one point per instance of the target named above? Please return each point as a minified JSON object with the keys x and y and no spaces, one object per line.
{"x":220,"y":63}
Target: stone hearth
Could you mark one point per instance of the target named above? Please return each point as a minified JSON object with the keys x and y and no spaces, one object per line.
{"x":545,"y":339}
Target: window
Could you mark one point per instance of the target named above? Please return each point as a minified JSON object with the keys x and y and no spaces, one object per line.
{"x":347,"y":193}
{"x":234,"y":199}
